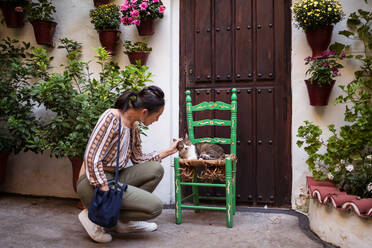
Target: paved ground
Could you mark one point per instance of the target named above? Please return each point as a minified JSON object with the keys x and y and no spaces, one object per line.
{"x":48,"y":222}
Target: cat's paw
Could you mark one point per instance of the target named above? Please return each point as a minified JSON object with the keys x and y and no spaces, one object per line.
{"x":205,"y":157}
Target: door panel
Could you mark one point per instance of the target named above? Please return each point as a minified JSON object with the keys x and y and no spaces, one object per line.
{"x":243,"y":44}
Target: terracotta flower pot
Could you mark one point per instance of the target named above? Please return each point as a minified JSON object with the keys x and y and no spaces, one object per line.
{"x":319,"y":94}
{"x":108,"y":39}
{"x":44,"y":31}
{"x":146,"y":27}
{"x":319,"y":39}
{"x":100,"y":2}
{"x":13,"y":18}
{"x":142,"y":56}
{"x":3,"y":163}
{"x":76,"y":163}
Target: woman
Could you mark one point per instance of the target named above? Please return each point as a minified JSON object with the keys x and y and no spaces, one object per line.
{"x":98,"y":169}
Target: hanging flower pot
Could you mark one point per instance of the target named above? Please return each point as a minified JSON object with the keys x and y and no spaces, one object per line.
{"x":100,"y":2}
{"x":13,"y":15}
{"x":44,"y":31}
{"x":3,"y":163}
{"x":135,"y":56}
{"x":146,"y":27}
{"x":108,"y":39}
{"x":319,"y":94}
{"x":319,"y":39}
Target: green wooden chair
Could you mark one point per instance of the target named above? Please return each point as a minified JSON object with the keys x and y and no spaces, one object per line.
{"x":228,"y":165}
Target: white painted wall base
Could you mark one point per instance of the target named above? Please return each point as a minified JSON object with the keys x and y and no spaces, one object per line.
{"x":344,"y":229}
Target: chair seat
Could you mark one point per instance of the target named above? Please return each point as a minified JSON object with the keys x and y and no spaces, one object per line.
{"x":197,"y":162}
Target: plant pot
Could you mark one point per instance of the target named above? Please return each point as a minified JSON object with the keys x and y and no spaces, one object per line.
{"x":146,"y":27}
{"x":3,"y":163}
{"x":108,"y":39}
{"x":319,"y":39}
{"x":13,"y":18}
{"x":100,"y":2}
{"x":44,"y":31}
{"x":319,"y":94}
{"x":142,"y":56}
{"x":76,"y":163}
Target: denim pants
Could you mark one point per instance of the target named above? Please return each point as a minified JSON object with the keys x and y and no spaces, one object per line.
{"x":138,"y":202}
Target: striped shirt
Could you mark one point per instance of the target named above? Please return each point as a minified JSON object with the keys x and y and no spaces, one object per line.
{"x":100,"y":153}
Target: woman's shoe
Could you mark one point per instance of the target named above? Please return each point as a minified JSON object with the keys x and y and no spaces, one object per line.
{"x":96,"y":232}
{"x":135,"y":226}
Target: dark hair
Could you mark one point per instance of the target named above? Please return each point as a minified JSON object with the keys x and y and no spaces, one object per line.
{"x":150,"y":98}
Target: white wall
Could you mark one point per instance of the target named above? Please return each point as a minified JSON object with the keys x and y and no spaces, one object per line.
{"x":322,"y":116}
{"x":40,"y":175}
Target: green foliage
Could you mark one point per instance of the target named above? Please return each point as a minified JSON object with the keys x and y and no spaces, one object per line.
{"x":17,"y":68}
{"x":323,"y":69}
{"x":135,"y":47}
{"x":347,"y":160}
{"x":77,"y":99}
{"x":42,"y":10}
{"x":105,"y":17}
{"x":310,"y":14}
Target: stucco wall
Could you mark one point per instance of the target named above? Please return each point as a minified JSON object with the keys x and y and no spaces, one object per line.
{"x":301,"y":109}
{"x":29,"y":173}
{"x":344,"y":229}
{"x":40,"y":175}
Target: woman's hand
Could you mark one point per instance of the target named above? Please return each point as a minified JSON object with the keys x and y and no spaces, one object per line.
{"x":171,"y":150}
{"x":104,"y":188}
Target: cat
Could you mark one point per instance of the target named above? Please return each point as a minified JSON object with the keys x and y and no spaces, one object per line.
{"x":201,"y":151}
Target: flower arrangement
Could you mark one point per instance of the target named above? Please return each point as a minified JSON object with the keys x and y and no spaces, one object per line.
{"x":136,"y":10}
{"x":310,"y":14}
{"x":42,"y":10}
{"x":135,"y":47}
{"x":323,"y":69}
{"x":105,"y":17}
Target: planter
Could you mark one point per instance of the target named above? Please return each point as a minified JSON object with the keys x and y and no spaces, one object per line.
{"x":3,"y":163}
{"x":142,"y":56}
{"x":108,"y":39}
{"x":100,"y":2}
{"x":146,"y":27}
{"x":319,"y":39}
{"x":319,"y":94}
{"x":13,"y":18}
{"x":76,"y":163}
{"x":44,"y":31}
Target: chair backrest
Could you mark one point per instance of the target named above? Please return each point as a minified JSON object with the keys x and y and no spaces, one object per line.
{"x":218,"y":105}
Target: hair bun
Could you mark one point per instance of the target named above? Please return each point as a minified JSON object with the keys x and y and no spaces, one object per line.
{"x":154,"y":90}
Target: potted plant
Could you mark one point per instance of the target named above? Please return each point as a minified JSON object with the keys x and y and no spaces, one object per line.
{"x":77,"y":100}
{"x":137,"y":51}
{"x":106,"y":20}
{"x":17,"y":122}
{"x":40,"y":14}
{"x":142,"y":13}
{"x":322,"y":72}
{"x":100,"y":2}
{"x":316,"y":18}
{"x":13,"y":12}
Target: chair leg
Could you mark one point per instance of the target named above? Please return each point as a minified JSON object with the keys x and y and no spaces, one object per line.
{"x":229,"y":193}
{"x":178,"y":194}
{"x":195,"y":191}
{"x":234,"y":186}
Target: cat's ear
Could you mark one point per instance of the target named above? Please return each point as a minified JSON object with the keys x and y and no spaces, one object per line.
{"x":186,"y":136}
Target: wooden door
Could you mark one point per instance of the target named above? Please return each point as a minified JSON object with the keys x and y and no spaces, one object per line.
{"x":243,"y":44}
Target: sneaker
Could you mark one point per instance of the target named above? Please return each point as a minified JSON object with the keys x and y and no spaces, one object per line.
{"x":96,"y":232}
{"x":135,"y":226}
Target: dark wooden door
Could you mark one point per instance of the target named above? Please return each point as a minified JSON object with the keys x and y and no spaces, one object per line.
{"x":243,"y":44}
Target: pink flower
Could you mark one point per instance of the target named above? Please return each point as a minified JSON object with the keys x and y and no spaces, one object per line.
{"x":133,"y":1}
{"x":308,"y":58}
{"x":335,"y":70}
{"x":124,"y":7}
{"x":134,"y":13}
{"x":155,"y":1}
{"x":124,"y":20}
{"x":143,"y":6}
{"x":130,"y":20}
{"x":343,"y":55}
{"x":325,"y":64}
{"x":161,"y":8}
{"x":137,"y":22}
{"x":18,"y":9}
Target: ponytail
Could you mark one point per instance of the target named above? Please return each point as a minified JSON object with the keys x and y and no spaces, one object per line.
{"x":150,"y":98}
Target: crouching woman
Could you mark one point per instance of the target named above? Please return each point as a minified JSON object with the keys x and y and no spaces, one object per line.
{"x":98,"y":170}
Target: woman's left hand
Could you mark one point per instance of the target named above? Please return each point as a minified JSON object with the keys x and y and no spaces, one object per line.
{"x":173,"y":147}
